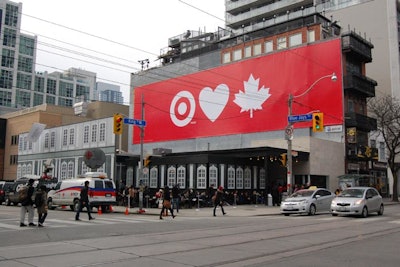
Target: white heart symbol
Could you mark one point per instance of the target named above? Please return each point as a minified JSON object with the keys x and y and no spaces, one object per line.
{"x":213,"y":102}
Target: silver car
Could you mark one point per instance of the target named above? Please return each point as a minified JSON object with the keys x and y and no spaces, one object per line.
{"x":309,"y":201}
{"x":359,"y":201}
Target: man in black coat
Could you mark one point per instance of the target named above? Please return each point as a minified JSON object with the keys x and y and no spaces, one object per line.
{"x":84,"y":202}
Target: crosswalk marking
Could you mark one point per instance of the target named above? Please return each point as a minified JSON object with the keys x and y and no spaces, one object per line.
{"x":13,"y":224}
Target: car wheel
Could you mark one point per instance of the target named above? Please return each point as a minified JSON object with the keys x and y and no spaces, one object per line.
{"x":334,"y":214}
{"x":364,"y":212}
{"x":286,"y":214}
{"x":50,"y":204}
{"x":381,"y":209}
{"x":312,"y":210}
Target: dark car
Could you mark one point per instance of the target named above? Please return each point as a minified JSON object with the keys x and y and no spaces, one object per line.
{"x":11,"y":196}
{"x":4,"y":188}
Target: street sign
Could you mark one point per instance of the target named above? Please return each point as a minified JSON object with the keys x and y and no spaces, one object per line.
{"x":289,"y":132}
{"x":300,"y":118}
{"x":134,"y":122}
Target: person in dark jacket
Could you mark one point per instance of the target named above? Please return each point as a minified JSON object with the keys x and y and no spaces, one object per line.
{"x":176,"y":197}
{"x":84,"y":202}
{"x":219,"y":199}
{"x":41,"y":204}
{"x":27,"y":206}
{"x":167,"y":202}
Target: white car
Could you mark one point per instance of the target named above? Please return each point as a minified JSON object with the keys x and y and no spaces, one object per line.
{"x":309,"y":201}
{"x":359,"y":201}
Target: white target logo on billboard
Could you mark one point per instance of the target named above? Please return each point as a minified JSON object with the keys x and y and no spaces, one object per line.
{"x":182,"y":108}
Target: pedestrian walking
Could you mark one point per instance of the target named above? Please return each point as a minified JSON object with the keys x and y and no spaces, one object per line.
{"x":219,"y":200}
{"x":84,"y":202}
{"x":27,"y":204}
{"x":167,"y":202}
{"x":132,"y":195}
{"x":176,"y":197}
{"x":41,"y":204}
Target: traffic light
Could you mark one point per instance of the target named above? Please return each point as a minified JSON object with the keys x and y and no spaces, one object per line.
{"x":283,"y":159}
{"x":118,"y":122}
{"x":147,"y":161}
{"x":318,"y":122}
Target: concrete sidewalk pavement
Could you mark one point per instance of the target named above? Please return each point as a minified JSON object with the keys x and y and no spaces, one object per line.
{"x":236,"y":211}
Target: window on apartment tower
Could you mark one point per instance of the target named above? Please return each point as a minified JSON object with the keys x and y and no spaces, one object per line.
{"x":268,"y":46}
{"x":295,"y":39}
{"x":226,"y":57}
{"x":281,"y":43}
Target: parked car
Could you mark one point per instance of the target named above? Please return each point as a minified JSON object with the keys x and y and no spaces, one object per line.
{"x":359,"y":201}
{"x":11,"y":196}
{"x":4,"y":188}
{"x":309,"y":201}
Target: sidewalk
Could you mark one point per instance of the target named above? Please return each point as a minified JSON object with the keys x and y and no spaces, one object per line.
{"x":236,"y":211}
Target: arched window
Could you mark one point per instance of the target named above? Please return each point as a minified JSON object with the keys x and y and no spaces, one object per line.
{"x":171,"y":179}
{"x":63,"y":172}
{"x":145,"y":177}
{"x":239,"y":178}
{"x":247,"y":178}
{"x":70,"y":173}
{"x":213,"y":176}
{"x":85,"y":168}
{"x":28,"y":168}
{"x":46,"y":140}
{"x":231,"y":178}
{"x":153,"y":177}
{"x":19,"y":171}
{"x":263,"y":179}
{"x":129,"y":176}
{"x":201,"y":177}
{"x":181,"y":177}
{"x":23,"y":171}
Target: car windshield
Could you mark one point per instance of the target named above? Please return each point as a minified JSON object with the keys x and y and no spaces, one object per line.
{"x":302,"y":193}
{"x":352,"y":193}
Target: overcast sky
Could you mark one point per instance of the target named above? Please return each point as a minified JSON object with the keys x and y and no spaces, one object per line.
{"x":110,"y":37}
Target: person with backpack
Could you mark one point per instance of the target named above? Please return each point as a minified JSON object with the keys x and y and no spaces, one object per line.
{"x":41,"y":204}
{"x":25,"y":196}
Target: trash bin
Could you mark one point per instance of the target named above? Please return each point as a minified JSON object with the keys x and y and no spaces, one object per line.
{"x":269,"y":200}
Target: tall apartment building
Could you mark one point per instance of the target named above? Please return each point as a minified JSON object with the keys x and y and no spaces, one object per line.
{"x":20,"y":85}
{"x":109,"y":93}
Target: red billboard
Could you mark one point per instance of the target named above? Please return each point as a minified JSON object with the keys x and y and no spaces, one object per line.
{"x":244,"y":97}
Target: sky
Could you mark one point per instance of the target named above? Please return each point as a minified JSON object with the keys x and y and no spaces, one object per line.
{"x":111,"y":37}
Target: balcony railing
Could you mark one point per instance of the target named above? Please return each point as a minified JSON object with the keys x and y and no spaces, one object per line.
{"x":356,"y":45}
{"x":360,"y":84}
{"x":360,"y":121}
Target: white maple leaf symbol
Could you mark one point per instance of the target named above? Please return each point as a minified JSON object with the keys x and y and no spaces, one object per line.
{"x":252,"y":98}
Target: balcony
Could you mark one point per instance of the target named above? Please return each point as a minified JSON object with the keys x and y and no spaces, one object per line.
{"x":361,"y":122}
{"x":356,"y":46}
{"x":359,"y":84}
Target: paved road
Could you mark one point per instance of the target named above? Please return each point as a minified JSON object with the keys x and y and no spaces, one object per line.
{"x":244,"y":237}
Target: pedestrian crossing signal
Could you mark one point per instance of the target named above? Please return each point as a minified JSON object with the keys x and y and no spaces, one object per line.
{"x":318,"y":122}
{"x":118,"y":122}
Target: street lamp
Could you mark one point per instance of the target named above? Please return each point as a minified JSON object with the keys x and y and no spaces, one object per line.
{"x":289,"y":128}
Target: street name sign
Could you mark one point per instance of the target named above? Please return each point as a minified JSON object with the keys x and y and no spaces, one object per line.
{"x":135,"y":122}
{"x":300,"y":118}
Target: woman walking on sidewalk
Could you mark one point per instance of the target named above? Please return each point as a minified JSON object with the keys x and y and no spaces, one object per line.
{"x":219,"y":199}
{"x":167,"y":202}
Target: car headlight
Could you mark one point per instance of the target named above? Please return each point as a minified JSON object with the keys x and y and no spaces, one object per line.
{"x":358,"y":202}
{"x":333,"y":202}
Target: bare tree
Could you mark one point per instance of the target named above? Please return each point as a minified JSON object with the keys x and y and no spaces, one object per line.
{"x":386,"y":110}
